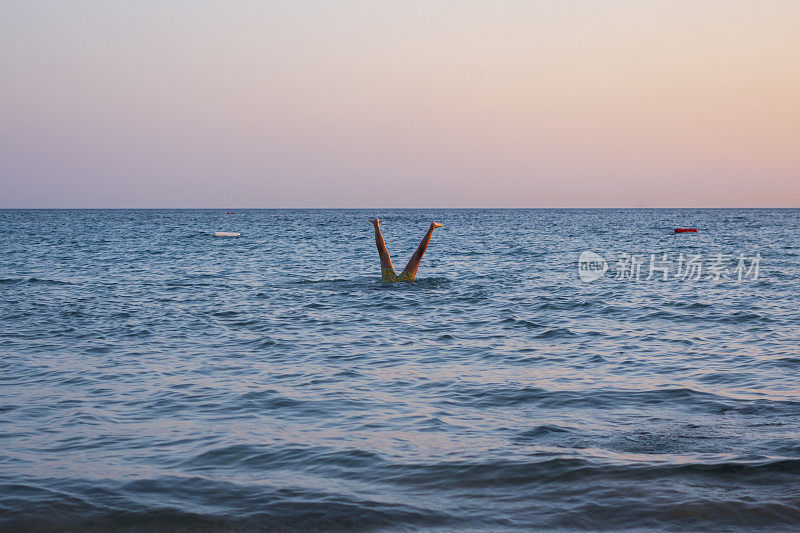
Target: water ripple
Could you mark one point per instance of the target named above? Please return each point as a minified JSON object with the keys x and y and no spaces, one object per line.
{"x":156,"y":378}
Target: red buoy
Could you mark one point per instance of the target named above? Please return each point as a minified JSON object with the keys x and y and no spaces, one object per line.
{"x":685,"y":230}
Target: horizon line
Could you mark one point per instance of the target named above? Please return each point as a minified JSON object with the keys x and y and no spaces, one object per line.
{"x":366,"y":208}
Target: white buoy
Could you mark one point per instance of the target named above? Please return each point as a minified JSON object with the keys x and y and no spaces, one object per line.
{"x":226,"y":234}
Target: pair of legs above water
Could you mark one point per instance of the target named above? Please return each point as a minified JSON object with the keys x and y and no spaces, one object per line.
{"x":410,"y":271}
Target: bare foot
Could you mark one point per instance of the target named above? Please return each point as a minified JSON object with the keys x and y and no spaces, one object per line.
{"x":374,"y":221}
{"x":435,"y":225}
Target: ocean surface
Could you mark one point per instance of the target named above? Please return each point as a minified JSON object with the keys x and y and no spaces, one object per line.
{"x":156,"y":378}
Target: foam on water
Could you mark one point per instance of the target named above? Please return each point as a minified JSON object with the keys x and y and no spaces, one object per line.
{"x":156,"y":378}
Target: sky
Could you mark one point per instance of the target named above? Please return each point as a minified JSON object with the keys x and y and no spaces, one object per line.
{"x":373,"y":103}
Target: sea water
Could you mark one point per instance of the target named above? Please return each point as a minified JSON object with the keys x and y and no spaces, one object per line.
{"x":155,"y":377}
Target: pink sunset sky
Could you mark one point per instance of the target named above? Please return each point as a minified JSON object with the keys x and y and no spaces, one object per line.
{"x":400,"y":104}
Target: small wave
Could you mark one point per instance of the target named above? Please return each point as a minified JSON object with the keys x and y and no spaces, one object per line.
{"x":542,"y":431}
{"x":788,"y":362}
{"x":757,"y":407}
{"x":269,"y":399}
{"x":691,"y":305}
{"x":522,"y":323}
{"x":263,"y":343}
{"x":152,"y":504}
{"x":666,"y":314}
{"x":556,"y":333}
{"x":99,"y":349}
{"x":34,"y":281}
{"x":725,"y":378}
{"x":430,"y":283}
{"x":505,"y":396}
{"x":310,"y":458}
{"x":565,"y":305}
{"x":225,"y":314}
{"x":742,"y":317}
{"x":320,"y":281}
